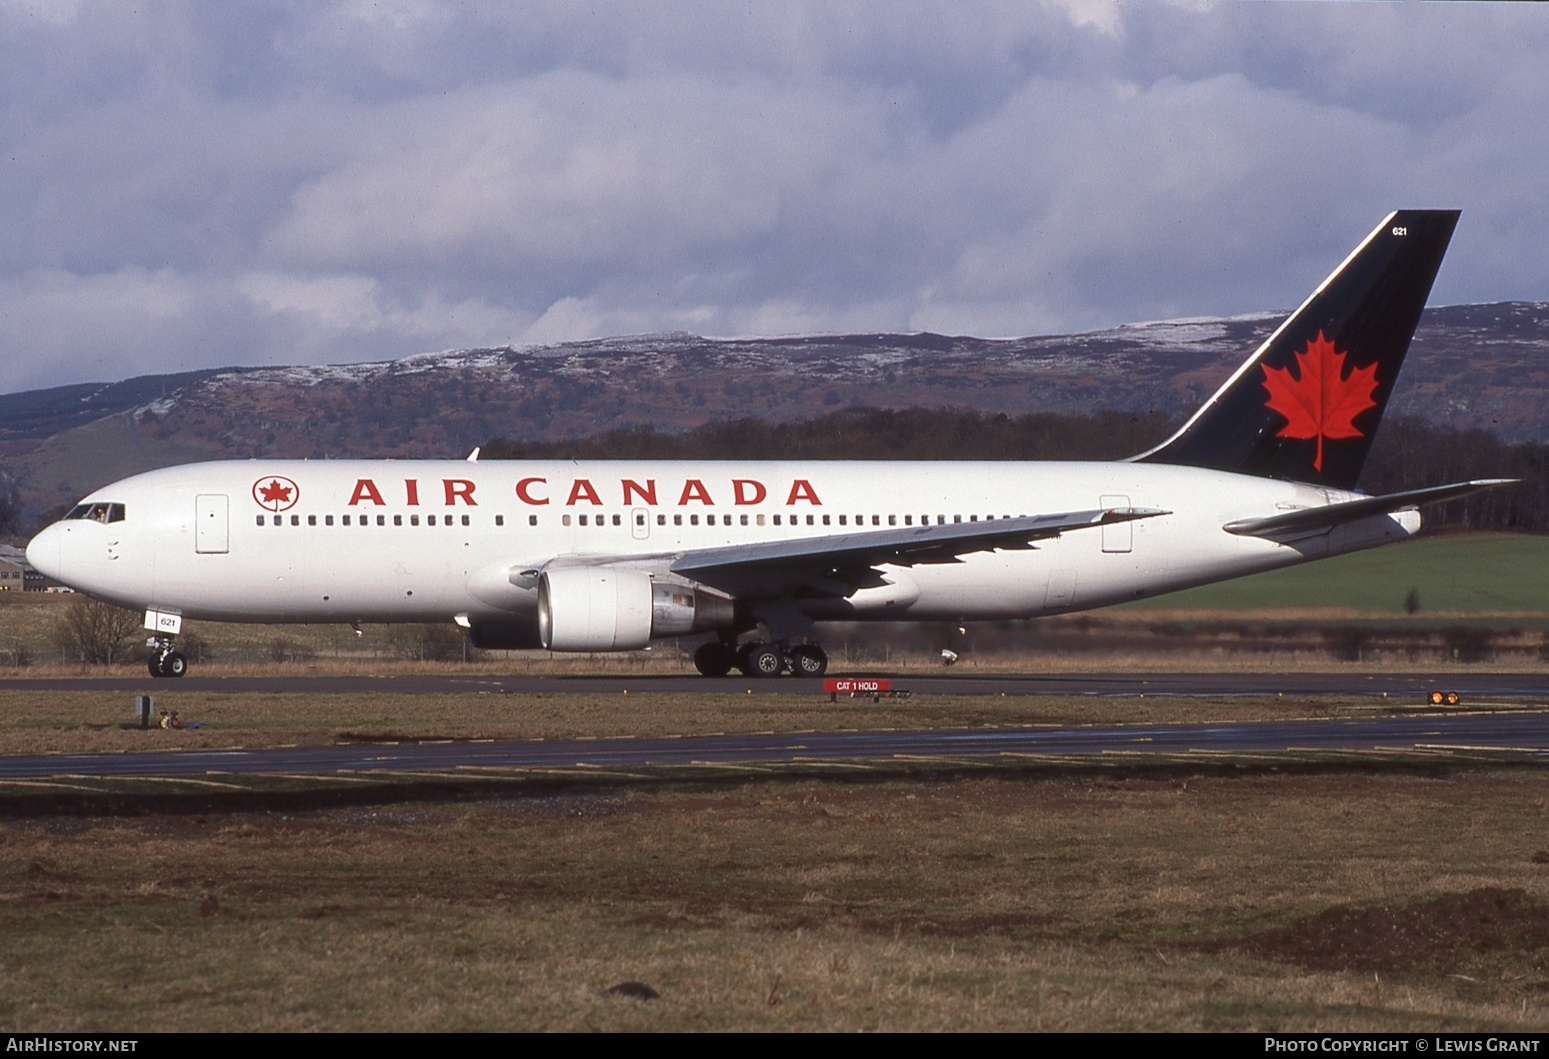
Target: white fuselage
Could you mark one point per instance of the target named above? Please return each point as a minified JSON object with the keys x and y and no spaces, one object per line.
{"x":391,"y":541}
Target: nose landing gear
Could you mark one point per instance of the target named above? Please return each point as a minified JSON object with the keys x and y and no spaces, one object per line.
{"x":164,"y":661}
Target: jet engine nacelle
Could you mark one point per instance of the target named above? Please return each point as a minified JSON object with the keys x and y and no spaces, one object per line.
{"x":613,"y":608}
{"x":505,"y":636}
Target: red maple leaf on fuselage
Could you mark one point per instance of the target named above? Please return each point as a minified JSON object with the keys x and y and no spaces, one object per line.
{"x":275,"y":493}
{"x":1322,"y":402}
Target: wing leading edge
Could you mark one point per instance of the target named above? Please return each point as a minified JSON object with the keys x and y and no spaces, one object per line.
{"x":736,"y":566}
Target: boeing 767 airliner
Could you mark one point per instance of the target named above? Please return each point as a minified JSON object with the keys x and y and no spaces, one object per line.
{"x":607,"y":556}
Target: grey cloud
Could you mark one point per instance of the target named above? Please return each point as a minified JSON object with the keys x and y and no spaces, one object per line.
{"x":287,"y":181}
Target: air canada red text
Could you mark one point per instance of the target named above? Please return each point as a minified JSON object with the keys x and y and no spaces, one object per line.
{"x":541,"y":491}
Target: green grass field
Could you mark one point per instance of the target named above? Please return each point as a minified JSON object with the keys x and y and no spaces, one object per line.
{"x":1472,"y":574}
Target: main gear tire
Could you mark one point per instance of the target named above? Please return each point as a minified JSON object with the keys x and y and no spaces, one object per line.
{"x":766,"y":660}
{"x":808,"y":660}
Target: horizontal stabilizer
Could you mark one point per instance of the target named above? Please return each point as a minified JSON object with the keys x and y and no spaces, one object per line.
{"x":1315,"y":518}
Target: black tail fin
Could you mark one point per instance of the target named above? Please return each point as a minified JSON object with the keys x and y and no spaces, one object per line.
{"x":1306,"y":405}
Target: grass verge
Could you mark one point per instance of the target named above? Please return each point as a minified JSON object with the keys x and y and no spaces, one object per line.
{"x":1117,"y":903}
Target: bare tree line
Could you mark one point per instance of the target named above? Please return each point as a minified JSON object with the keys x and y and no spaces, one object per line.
{"x":1408,"y":453}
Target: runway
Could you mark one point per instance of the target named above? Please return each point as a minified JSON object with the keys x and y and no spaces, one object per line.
{"x":1416,"y":685}
{"x":1522,"y":731}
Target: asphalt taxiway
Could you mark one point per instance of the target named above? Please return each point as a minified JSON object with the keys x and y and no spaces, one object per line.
{"x":1522,"y":731}
{"x":1520,"y":724}
{"x":1473,"y":685}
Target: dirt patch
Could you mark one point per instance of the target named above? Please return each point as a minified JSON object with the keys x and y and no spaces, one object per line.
{"x":1447,"y":934}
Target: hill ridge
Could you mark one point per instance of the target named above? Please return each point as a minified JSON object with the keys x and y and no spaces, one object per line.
{"x":1471,"y":366}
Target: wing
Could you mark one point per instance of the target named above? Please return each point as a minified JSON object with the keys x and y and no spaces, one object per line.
{"x":843,"y":562}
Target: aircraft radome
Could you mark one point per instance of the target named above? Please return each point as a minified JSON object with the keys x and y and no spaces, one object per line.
{"x":609,"y":555}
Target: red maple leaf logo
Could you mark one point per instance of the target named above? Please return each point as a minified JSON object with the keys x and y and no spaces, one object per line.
{"x":275,"y":493}
{"x":1322,"y":402}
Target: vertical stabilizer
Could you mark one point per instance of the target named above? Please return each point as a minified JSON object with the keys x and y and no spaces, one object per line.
{"x":1307,"y":403}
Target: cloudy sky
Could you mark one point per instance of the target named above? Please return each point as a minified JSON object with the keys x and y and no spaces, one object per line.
{"x":192,"y":184}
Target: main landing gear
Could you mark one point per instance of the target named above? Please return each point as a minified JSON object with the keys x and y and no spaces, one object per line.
{"x":717,"y":658}
{"x":164,"y":661}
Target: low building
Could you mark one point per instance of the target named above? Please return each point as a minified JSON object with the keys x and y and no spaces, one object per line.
{"x":17,"y":575}
{"x":13,"y":574}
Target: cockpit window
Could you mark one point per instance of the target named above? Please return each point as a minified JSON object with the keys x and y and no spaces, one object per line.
{"x":97,"y":512}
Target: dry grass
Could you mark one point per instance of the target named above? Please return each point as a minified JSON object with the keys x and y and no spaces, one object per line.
{"x":38,"y":722}
{"x":986,"y":904}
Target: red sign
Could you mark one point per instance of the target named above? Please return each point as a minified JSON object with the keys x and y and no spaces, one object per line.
{"x":856,"y":686}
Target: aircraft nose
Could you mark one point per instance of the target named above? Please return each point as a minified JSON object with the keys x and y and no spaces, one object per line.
{"x":44,"y":553}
